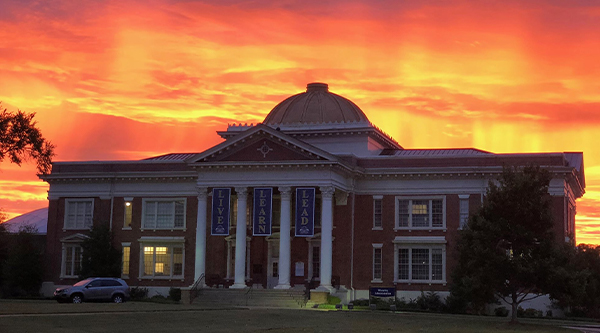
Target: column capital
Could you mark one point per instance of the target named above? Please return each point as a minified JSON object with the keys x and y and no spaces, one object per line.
{"x":242,"y":192}
{"x":285,"y":192}
{"x":327,"y":191}
{"x":202,"y":192}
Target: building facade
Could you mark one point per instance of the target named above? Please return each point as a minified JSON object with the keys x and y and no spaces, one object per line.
{"x":327,"y":201}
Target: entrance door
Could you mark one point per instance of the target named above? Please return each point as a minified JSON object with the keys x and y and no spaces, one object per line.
{"x":273,"y":268}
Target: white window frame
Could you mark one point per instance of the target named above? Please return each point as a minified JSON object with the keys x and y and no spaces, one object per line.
{"x":313,"y":243}
{"x":379,"y":247}
{"x":173,"y":200}
{"x":378,"y":198}
{"x":63,"y":267}
{"x":123,"y":246}
{"x":410,"y":243}
{"x":125,"y":207}
{"x":430,"y":210}
{"x":463,"y":214}
{"x":169,"y":242}
{"x":67,"y":204}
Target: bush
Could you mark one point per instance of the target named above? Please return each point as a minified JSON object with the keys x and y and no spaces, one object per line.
{"x":332,"y":300}
{"x":430,"y":301}
{"x":501,"y":312}
{"x":175,"y":294}
{"x":361,"y":302}
{"x":529,"y":313}
{"x":138,"y":293}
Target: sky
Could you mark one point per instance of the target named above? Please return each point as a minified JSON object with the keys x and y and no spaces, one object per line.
{"x":114,"y":80}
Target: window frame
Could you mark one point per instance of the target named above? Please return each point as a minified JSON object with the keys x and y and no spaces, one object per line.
{"x":66,"y":215}
{"x":429,"y":243}
{"x":378,"y":199}
{"x":70,"y":247}
{"x":430,"y":200}
{"x":168,"y":242}
{"x":128,"y":246}
{"x":145,"y":202}
{"x":377,"y":248}
{"x":463,"y":211}
{"x":127,"y":216}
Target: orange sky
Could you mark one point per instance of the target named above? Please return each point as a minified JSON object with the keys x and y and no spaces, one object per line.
{"x":131,"y":79}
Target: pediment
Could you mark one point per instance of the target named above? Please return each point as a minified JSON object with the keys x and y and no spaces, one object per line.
{"x":262,"y":144}
{"x":76,"y":238}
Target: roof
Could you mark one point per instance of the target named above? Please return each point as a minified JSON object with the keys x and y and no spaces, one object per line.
{"x":315,"y":106}
{"x":37,"y":219}
{"x":435,"y":152}
{"x":171,"y":157}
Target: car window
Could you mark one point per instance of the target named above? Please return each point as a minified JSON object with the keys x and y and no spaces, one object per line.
{"x":95,"y":284}
{"x":82,"y":282}
{"x":110,"y":283}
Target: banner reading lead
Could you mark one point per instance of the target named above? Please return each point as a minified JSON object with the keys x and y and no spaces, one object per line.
{"x":220,"y":212}
{"x":305,"y":212}
{"x":263,"y":212}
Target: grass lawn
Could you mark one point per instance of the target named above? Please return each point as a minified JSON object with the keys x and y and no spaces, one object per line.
{"x":46,"y":316}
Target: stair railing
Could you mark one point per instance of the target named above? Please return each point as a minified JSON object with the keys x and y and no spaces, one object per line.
{"x":195,"y":290}
{"x":248,"y":293}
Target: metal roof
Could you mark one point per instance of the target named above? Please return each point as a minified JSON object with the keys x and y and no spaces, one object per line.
{"x":436,"y":152}
{"x":171,"y":157}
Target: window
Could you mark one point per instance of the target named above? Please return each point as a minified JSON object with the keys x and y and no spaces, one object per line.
{"x":126,"y":260}
{"x":377,"y":263}
{"x":377,"y":211}
{"x":464,"y":210}
{"x":128,"y":207}
{"x":420,"y":259}
{"x":163,"y":214}
{"x":78,"y":213}
{"x":165,"y":260}
{"x":423,"y":213}
{"x":314,"y":259}
{"x":72,"y":260}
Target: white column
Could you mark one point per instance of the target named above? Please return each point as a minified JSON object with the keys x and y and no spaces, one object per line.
{"x":200,"y":267}
{"x":284,"y":238}
{"x":326,"y":237}
{"x":240,"y":239}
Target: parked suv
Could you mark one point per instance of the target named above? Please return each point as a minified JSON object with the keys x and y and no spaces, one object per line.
{"x":94,"y":289}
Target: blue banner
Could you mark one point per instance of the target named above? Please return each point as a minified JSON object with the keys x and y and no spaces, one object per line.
{"x":305,"y":212}
{"x":383,"y":292}
{"x":262,"y":212}
{"x":220,"y":212}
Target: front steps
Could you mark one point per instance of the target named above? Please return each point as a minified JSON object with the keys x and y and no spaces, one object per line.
{"x":219,"y":297}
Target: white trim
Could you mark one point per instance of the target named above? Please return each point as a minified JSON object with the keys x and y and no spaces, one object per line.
{"x":375,"y":248}
{"x":420,"y":240}
{"x":176,"y":242}
{"x":410,"y":245}
{"x":63,"y":269}
{"x":464,"y":196}
{"x":378,"y":198}
{"x":149,"y":239}
{"x":71,"y":200}
{"x":173,"y":200}
{"x":377,"y":245}
{"x":125,"y":207}
{"x":429,"y":210}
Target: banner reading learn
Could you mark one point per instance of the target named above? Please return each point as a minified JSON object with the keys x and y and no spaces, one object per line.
{"x":220,"y":212}
{"x":305,"y":212}
{"x":263,"y":212}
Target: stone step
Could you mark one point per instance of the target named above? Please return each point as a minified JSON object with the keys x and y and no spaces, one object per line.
{"x":254,"y":297}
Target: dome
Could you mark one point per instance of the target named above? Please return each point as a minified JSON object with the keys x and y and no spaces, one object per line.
{"x":315,"y":106}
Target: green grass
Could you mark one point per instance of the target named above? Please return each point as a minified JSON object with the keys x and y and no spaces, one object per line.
{"x":47,"y":316}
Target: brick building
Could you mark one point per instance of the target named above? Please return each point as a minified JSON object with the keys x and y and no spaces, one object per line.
{"x":331,"y":202}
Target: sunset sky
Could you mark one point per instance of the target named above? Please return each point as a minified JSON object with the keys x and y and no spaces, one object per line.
{"x":113,"y":80}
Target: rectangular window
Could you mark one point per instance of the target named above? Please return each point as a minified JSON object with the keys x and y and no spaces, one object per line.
{"x":163,"y":261}
{"x":377,"y":211}
{"x":163,"y":214}
{"x":420,"y":213}
{"x":78,"y":213}
{"x":464,"y":212}
{"x":128,"y":214}
{"x":72,"y":261}
{"x":125,"y":260}
{"x":377,"y":263}
{"x":316,"y":261}
{"x":420,"y":263}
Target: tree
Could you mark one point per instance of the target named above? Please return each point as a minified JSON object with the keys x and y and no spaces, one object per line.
{"x":99,"y":257}
{"x":20,"y":140}
{"x":507,"y":250}
{"x":23,"y":269}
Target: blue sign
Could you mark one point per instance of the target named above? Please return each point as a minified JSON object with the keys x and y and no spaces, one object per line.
{"x":382,"y":292}
{"x":220,"y":212}
{"x":263,"y":212}
{"x":305,"y":212}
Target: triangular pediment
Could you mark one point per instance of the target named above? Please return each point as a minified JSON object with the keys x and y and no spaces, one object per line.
{"x":76,"y":238}
{"x":262,"y":144}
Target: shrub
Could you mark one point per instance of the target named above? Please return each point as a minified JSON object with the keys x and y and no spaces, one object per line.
{"x":332,"y":300}
{"x":361,"y":302}
{"x":430,"y":301}
{"x":501,"y":311}
{"x":175,"y":294}
{"x":138,"y":293}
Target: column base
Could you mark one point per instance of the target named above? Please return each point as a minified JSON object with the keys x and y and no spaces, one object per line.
{"x":238,"y":286}
{"x":283,"y":286}
{"x":325,"y":288}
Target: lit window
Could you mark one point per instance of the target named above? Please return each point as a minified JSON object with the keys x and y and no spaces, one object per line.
{"x":78,"y":213}
{"x":163,"y":214}
{"x":125,"y":261}
{"x":163,"y":261}
{"x":420,"y":213}
{"x":128,"y":214}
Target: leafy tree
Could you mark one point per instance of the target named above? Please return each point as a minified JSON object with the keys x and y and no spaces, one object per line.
{"x":20,"y":140}
{"x":507,"y":250}
{"x":99,"y":257}
{"x":3,"y":248}
{"x":23,"y":268}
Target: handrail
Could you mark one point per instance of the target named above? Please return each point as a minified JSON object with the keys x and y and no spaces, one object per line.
{"x":195,"y":290}
{"x":248,"y":293}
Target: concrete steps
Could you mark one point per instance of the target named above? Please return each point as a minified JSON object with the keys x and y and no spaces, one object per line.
{"x":251,"y":297}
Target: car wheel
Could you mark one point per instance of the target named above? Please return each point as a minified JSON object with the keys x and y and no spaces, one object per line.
{"x":118,"y":298}
{"x":77,"y":298}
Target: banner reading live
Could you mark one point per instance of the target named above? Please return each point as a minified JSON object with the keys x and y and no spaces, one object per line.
{"x":263,"y":212}
{"x":220,"y":212}
{"x":305,"y":212}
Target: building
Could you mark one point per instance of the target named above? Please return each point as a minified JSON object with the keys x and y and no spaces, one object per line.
{"x":329,"y":200}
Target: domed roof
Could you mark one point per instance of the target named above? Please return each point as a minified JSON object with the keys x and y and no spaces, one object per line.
{"x":315,"y":106}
